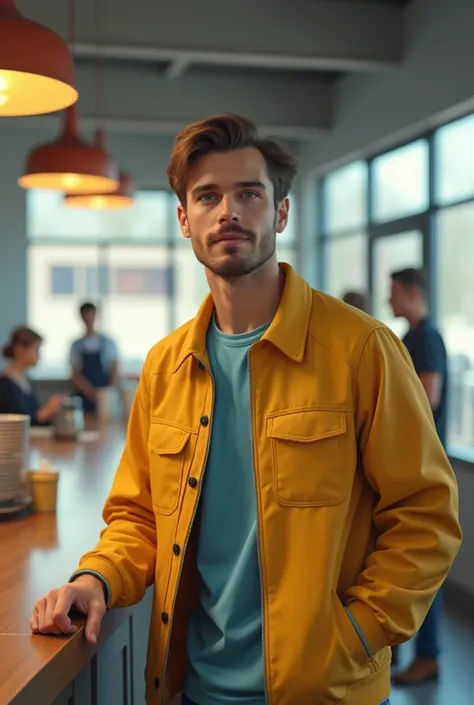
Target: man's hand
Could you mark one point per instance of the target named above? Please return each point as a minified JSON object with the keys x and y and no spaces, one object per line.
{"x":51,"y":613}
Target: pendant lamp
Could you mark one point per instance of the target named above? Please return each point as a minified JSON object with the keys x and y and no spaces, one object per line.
{"x":36,"y":67}
{"x":122,"y":197}
{"x":70,"y":164}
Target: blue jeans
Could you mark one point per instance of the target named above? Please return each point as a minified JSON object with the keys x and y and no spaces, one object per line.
{"x":427,"y":639}
{"x":187,"y":701}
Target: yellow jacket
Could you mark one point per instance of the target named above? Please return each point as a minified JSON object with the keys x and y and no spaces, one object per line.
{"x":357,"y":502}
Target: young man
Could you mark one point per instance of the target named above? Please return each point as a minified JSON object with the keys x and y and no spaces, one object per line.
{"x":93,"y":360}
{"x":282,"y":483}
{"x":409,"y":296}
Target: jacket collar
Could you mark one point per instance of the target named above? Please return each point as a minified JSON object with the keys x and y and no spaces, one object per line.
{"x":287,"y":331}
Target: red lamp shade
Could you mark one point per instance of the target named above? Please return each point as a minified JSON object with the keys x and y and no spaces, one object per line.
{"x":36,"y":67}
{"x":70,"y":164}
{"x":122,"y":197}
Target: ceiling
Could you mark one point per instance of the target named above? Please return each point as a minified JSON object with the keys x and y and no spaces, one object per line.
{"x":167,"y":63}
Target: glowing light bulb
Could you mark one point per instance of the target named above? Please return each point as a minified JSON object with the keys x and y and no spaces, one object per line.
{"x":70,"y":181}
{"x":3,"y":99}
{"x":4,"y":82}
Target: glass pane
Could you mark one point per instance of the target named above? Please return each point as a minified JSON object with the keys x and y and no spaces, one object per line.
{"x":455,"y":258}
{"x":454,"y":164}
{"x":52,"y":310}
{"x":346,"y":265}
{"x":148,"y":218}
{"x":392,"y":253}
{"x":191,"y":284}
{"x":136,"y":313}
{"x":288,"y":255}
{"x":345,"y":196}
{"x":401,"y":182}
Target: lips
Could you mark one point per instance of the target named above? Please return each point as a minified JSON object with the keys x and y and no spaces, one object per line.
{"x":231,"y":237}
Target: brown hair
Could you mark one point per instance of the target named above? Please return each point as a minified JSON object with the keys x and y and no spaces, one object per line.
{"x":223,"y":133}
{"x":412,"y":278}
{"x":22,"y":336}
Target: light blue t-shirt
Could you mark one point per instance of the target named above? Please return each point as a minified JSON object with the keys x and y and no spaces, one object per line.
{"x":225,"y":647}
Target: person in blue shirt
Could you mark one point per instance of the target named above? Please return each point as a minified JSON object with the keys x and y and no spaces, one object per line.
{"x":93,"y":360}
{"x":17,"y":395}
{"x":409,"y":300}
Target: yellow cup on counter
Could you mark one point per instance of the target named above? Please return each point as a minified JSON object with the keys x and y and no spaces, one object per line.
{"x":44,"y":490}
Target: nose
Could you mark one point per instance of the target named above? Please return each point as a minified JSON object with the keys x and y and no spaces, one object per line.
{"x":228,"y":211}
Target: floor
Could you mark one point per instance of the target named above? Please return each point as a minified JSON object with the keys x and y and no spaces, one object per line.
{"x":456,"y":683}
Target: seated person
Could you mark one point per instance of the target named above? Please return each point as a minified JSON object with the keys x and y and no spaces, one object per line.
{"x":17,"y":396}
{"x":93,"y":360}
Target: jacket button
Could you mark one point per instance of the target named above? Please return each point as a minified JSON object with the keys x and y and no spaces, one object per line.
{"x":165,"y":617}
{"x":204,"y":420}
{"x":201,"y":365}
{"x":192,"y":482}
{"x":176,"y":549}
{"x":156,"y":683}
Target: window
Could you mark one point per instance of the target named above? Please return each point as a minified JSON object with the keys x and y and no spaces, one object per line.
{"x":391,"y":253}
{"x":346,"y":264}
{"x":57,"y":284}
{"x":454,"y":164}
{"x":345,"y":198}
{"x":400,"y":180}
{"x":141,"y":281}
{"x":455,"y":284}
{"x":191,"y":284}
{"x":148,"y":218}
{"x":144,"y":278}
{"x":62,"y":280}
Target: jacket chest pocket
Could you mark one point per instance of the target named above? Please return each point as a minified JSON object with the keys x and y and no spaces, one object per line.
{"x":168,"y":449}
{"x":309,"y":468}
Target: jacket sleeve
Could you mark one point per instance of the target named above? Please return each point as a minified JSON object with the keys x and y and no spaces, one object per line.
{"x":125,"y":554}
{"x":416,"y":512}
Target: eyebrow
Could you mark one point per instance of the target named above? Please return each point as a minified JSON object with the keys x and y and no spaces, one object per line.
{"x":239,"y":184}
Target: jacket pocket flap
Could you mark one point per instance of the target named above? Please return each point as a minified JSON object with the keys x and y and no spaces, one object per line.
{"x":167,"y":440}
{"x":306,"y":426}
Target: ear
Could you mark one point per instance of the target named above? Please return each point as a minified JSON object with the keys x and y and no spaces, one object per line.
{"x":282,"y":215}
{"x":183,"y":222}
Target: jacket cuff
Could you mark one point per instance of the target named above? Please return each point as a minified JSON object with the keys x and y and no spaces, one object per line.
{"x":104,"y":582}
{"x":375,"y":637}
{"x":107,"y":572}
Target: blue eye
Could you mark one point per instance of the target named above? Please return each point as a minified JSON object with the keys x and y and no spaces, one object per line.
{"x":207,"y":197}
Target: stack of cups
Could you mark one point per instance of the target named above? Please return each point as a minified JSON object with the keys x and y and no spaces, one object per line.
{"x":14,"y":450}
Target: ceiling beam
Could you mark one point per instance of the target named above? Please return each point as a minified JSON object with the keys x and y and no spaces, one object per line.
{"x":176,"y":69}
{"x":336,"y":35}
{"x":296,"y":108}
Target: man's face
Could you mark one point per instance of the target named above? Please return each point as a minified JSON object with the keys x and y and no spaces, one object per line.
{"x":230,"y":213}
{"x":401,"y":300}
{"x":89,"y":318}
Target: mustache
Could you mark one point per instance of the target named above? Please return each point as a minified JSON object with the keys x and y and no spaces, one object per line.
{"x":215,"y":237}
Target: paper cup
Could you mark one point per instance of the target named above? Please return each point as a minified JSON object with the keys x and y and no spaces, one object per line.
{"x":44,"y":490}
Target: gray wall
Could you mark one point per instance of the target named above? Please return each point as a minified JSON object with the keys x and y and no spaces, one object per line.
{"x":436,"y":79}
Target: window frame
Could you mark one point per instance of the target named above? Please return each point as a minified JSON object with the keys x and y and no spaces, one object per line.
{"x":425,"y":221}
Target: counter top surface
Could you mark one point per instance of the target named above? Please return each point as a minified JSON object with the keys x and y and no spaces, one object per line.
{"x":41,"y":551}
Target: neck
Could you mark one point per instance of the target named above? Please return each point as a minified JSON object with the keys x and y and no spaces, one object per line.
{"x":90,"y":331}
{"x":16,"y":368}
{"x":248,"y":302}
{"x":416,"y":317}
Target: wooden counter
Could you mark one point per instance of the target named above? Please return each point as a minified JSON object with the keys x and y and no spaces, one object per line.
{"x":40,"y":552}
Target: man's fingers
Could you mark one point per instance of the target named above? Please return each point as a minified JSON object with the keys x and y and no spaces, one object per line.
{"x":60,"y":615}
{"x":34,"y":625}
{"x":94,"y":620}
